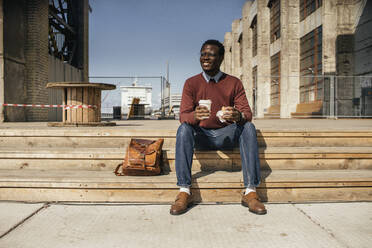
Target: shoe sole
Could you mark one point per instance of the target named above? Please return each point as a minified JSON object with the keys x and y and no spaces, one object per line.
{"x":183,"y":211}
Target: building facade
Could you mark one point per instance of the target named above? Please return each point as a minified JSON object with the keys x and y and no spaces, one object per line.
{"x":143,"y":92}
{"x":303,"y":58}
{"x":175,"y":103}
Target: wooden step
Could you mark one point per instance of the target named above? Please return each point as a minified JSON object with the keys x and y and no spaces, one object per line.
{"x":271,"y":158}
{"x":218,"y":186}
{"x":101,"y":138}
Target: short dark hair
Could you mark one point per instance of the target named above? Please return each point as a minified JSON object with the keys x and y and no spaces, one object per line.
{"x":221,"y":48}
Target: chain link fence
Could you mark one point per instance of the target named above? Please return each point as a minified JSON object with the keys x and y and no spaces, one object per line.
{"x":134,"y":97}
{"x":325,"y":96}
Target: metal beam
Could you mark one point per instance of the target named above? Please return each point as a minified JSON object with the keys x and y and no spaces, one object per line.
{"x":52,"y":11}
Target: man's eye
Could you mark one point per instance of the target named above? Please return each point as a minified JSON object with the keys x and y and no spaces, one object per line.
{"x":207,"y":54}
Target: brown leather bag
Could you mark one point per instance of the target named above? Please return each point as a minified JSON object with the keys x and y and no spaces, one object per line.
{"x":143,"y":158}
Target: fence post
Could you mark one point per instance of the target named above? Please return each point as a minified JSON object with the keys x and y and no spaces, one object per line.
{"x":162,"y":96}
{"x":332,"y":97}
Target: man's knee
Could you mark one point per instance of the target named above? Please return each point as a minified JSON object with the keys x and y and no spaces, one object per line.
{"x":184,"y":131}
{"x":249,"y":128}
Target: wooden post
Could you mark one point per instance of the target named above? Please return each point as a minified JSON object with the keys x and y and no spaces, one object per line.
{"x":73,"y":102}
{"x":85,"y":101}
{"x":68,"y":111}
{"x":79,"y":101}
{"x":91,"y":102}
{"x":64,"y":94}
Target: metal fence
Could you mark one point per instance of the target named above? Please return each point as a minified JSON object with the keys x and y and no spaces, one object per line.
{"x":153,"y":93}
{"x":325,"y":96}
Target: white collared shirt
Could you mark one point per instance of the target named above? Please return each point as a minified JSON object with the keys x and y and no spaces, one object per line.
{"x":216,"y":77}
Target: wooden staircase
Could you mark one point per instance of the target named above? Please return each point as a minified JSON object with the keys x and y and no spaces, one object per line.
{"x":76,"y":165}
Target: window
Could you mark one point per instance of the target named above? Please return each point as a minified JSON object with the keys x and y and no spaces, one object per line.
{"x":311,"y":83}
{"x":254,"y":77}
{"x":254,"y":92}
{"x":241,"y":50}
{"x":254,"y":36}
{"x":275,"y":80}
{"x":308,"y":6}
{"x":274,"y":6}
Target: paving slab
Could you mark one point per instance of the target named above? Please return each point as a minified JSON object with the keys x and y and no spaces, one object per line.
{"x":350,"y":224}
{"x":13,"y":213}
{"x":152,"y":226}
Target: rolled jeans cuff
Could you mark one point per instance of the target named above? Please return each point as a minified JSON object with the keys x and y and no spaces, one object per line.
{"x":184,"y":185}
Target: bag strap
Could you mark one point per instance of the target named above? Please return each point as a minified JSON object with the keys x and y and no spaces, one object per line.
{"x":117,"y":170}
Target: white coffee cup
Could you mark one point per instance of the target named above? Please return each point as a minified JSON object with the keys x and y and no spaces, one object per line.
{"x":207,"y":103}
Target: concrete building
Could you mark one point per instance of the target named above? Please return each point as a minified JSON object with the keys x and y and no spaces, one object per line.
{"x":41,"y":41}
{"x":303,"y":58}
{"x":175,"y":103}
{"x":143,"y":92}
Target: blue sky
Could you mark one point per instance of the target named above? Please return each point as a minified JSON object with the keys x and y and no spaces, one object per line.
{"x":138,"y":37}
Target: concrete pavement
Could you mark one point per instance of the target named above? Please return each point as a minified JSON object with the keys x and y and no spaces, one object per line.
{"x":85,"y":225}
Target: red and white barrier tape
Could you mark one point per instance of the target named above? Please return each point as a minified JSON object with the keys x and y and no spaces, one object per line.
{"x":49,"y":106}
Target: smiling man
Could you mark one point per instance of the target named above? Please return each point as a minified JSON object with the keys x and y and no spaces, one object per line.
{"x":226,"y":124}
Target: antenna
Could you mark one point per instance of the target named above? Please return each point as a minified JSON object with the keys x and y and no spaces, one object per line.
{"x":167,"y":71}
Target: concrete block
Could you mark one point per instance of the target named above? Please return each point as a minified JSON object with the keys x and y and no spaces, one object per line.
{"x":349,"y":224}
{"x":14,"y":213}
{"x":151,"y":226}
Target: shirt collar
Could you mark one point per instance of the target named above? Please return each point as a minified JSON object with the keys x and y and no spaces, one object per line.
{"x":216,"y":77}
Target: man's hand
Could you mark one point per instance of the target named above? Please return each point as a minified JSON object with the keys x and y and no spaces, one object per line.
{"x":231,"y":114}
{"x":201,"y":113}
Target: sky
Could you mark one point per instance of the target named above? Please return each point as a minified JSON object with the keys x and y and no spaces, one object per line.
{"x":138,"y":37}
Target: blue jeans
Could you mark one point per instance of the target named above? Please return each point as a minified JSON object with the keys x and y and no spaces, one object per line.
{"x":190,"y":137}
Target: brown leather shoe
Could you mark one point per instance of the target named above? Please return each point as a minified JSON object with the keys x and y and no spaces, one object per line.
{"x":252,"y":202}
{"x":182,"y":203}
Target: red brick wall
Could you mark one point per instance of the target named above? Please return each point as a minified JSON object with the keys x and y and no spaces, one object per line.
{"x":36,"y":54}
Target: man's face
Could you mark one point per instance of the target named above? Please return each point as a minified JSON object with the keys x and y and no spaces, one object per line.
{"x":210,"y":59}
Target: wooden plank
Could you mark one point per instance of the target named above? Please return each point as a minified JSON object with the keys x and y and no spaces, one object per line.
{"x":91,"y":111}
{"x":73,"y":102}
{"x":171,"y":133}
{"x":61,"y":161}
{"x":104,"y":147}
{"x":79,"y":101}
{"x":310,"y":164}
{"x":67,"y":141}
{"x":217,"y":179}
{"x":60,"y":164}
{"x":106,"y":132}
{"x":85,"y":102}
{"x":279,"y":195}
{"x":290,"y":141}
{"x":68,"y":111}
{"x":309,"y":133}
{"x":81,"y":84}
{"x":64,"y":102}
{"x":97,"y":117}
{"x":172,"y":185}
{"x":93,"y":154}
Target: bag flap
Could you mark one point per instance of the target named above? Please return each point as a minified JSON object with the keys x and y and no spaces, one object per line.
{"x":142,"y":152}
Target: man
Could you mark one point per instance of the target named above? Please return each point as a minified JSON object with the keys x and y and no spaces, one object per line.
{"x":201,"y":128}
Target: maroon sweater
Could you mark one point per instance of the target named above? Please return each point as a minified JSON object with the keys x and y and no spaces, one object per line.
{"x":228,"y":91}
